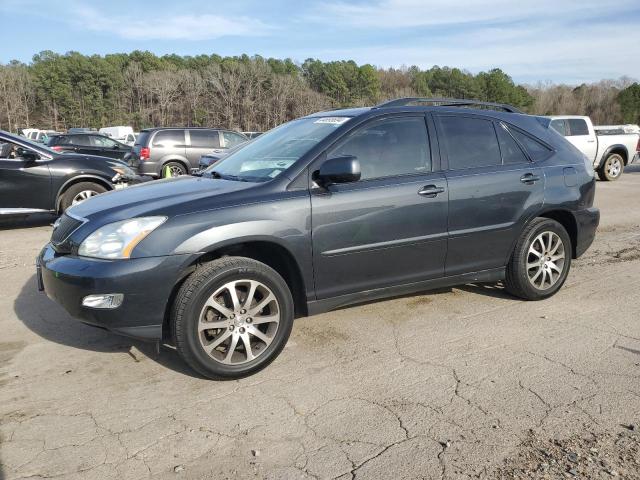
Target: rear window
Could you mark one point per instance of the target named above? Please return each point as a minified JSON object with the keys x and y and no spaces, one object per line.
{"x":205,"y":138}
{"x":577,"y":126}
{"x":536,"y":150}
{"x":169,"y":138}
{"x":142,"y":139}
{"x":470,"y":142}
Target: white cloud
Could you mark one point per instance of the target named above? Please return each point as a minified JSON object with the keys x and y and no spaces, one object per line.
{"x":424,"y":13}
{"x":204,"y":26}
{"x":548,"y":39}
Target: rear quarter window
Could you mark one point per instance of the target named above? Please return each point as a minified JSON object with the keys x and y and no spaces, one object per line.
{"x":537,"y":150}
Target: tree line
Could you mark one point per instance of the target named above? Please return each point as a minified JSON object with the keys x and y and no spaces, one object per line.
{"x":59,"y":91}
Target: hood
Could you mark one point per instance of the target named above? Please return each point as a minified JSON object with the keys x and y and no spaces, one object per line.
{"x":171,"y":196}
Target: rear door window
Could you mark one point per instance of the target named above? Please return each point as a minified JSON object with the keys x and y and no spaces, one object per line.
{"x":204,"y":138}
{"x":169,"y":138}
{"x":559,"y":126}
{"x":82,"y":140}
{"x":232,"y":139}
{"x":469,"y":142}
{"x":577,"y":126}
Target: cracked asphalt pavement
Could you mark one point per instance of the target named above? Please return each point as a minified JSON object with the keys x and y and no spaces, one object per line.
{"x":458,"y":383}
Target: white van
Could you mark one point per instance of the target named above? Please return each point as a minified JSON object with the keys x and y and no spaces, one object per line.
{"x":122,"y":134}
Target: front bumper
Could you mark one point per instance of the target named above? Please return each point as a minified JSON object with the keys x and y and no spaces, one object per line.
{"x":587,"y":221}
{"x":147,"y":284}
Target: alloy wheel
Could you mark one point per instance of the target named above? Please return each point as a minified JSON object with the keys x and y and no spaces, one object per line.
{"x":614,"y":167}
{"x":83,"y":195}
{"x":238,"y":322}
{"x":545,"y":260}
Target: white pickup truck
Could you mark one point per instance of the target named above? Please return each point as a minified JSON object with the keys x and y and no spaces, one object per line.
{"x":609,"y":153}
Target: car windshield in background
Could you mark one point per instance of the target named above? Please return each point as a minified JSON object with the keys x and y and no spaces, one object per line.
{"x":272,"y":153}
{"x":142,"y":138}
{"x":40,"y":147}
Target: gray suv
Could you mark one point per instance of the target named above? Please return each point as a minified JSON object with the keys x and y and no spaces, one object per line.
{"x":179,"y":149}
{"x":329,"y":210}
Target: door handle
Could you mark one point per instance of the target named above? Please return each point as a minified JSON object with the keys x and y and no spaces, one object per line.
{"x":529,"y":178}
{"x":430,"y":191}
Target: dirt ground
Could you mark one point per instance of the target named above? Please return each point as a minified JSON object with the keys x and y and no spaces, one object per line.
{"x":460,"y":383}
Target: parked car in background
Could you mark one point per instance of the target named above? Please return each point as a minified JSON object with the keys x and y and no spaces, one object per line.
{"x":37,"y":135}
{"x":215,"y":156}
{"x":81,"y":130}
{"x":251,"y":135}
{"x":609,"y":153}
{"x":178,"y":149}
{"x":325,"y":211}
{"x":91,"y":144}
{"x":35,"y":178}
{"x":121,"y":134}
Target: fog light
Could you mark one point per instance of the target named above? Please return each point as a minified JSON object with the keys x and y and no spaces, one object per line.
{"x":108,"y":300}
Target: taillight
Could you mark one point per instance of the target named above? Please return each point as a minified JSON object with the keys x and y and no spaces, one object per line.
{"x":57,"y":148}
{"x":145,"y":153}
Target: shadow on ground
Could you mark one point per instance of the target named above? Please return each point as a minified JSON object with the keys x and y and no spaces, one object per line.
{"x":31,"y":221}
{"x":48,"y":320}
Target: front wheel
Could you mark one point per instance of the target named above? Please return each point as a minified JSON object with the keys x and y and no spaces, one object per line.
{"x":80,"y":192}
{"x":612,"y":168}
{"x":540,"y":261}
{"x":232,"y":317}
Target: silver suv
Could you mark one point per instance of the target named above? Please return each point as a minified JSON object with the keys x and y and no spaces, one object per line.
{"x":178,"y":149}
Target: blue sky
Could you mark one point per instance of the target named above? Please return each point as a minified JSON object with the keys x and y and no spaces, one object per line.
{"x":533,"y":40}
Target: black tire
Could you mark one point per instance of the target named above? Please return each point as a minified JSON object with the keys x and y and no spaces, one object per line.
{"x":612,"y":168}
{"x":66,"y":200}
{"x":177,"y":169}
{"x":190,"y":303}
{"x":517,"y":281}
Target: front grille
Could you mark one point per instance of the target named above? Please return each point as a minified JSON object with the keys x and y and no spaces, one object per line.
{"x":64,"y":227}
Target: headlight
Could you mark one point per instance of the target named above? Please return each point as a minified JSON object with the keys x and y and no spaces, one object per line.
{"x":117,"y":240}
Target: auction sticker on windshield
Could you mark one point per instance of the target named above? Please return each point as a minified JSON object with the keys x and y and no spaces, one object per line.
{"x":332,"y":120}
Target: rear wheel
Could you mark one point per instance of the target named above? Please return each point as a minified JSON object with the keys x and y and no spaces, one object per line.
{"x":232,"y":317}
{"x":612,"y":168}
{"x":80,"y":192}
{"x":173,"y":169}
{"x":540,"y":262}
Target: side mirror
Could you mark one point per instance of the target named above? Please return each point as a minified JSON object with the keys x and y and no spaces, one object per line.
{"x":344,"y":169}
{"x":27,"y":155}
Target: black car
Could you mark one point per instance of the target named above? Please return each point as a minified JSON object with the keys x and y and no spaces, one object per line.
{"x":328,"y":210}
{"x":35,"y":178}
{"x":90,"y":144}
{"x":178,"y":150}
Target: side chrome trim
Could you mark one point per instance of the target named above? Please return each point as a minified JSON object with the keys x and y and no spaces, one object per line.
{"x":22,"y":211}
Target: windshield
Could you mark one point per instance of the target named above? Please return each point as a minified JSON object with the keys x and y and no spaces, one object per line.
{"x":273,"y":152}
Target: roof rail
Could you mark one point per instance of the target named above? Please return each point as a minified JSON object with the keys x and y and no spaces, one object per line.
{"x":447,"y":102}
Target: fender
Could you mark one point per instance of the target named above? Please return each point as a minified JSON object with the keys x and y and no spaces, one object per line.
{"x":80,"y":177}
{"x":617,"y":146}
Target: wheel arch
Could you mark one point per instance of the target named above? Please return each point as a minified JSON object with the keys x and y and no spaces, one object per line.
{"x":617,"y":148}
{"x":568,"y":221}
{"x":79,"y":179}
{"x":269,"y":252}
